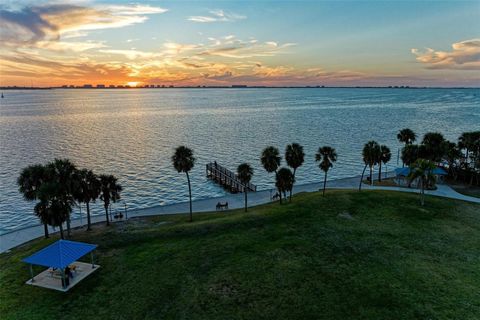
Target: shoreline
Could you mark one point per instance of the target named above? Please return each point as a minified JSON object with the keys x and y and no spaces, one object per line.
{"x":23,"y":235}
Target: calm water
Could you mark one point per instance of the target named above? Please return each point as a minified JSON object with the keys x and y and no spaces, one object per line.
{"x":132,"y":133}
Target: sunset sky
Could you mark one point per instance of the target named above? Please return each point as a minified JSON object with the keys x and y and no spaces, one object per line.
{"x":416,"y":43}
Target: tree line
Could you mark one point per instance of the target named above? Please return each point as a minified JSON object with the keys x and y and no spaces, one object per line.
{"x":59,"y":185}
{"x":461,"y":158}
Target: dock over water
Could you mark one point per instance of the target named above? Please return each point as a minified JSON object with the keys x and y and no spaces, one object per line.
{"x":227,"y":178}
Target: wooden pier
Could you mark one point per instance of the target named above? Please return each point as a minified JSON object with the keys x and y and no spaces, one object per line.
{"x":227,"y":178}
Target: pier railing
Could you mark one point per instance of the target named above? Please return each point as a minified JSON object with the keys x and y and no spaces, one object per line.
{"x":227,"y":178}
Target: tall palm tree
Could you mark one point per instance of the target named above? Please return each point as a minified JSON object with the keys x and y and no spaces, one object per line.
{"x":410,"y":154}
{"x":326,"y":156}
{"x":42,"y":212}
{"x":406,"y":136}
{"x":423,"y":170}
{"x":469,"y":141}
{"x":109,"y":192}
{"x":434,"y":147}
{"x":295,"y":157}
{"x":452,"y":155}
{"x":384,"y":157}
{"x":183,"y":161}
{"x":55,"y":202}
{"x":370,"y":153}
{"x":29,"y":182}
{"x":64,"y":172}
{"x":245,"y":174}
{"x":87,"y":190}
{"x":271,"y":159}
{"x":284,"y":181}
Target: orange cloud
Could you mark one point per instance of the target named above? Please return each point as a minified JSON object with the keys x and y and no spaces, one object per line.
{"x":464,"y":56}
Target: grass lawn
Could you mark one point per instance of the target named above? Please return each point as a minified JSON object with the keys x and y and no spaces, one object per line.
{"x":466,"y":190}
{"x":350,"y":255}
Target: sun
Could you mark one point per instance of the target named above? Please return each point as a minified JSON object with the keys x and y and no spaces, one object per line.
{"x":133,"y":83}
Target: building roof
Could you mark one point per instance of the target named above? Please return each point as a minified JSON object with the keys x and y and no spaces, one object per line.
{"x":60,"y":254}
{"x":406,"y":171}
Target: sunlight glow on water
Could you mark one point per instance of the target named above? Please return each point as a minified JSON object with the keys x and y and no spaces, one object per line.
{"x":132,"y":133}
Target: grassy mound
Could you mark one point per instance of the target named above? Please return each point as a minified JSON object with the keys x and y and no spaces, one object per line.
{"x":350,"y":255}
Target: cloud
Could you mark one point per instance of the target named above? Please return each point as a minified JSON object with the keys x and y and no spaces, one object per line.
{"x":230,"y":47}
{"x":217,"y":16}
{"x":62,"y":46}
{"x":464,"y":56}
{"x":50,"y":22}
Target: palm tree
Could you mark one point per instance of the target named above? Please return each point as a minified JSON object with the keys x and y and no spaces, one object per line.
{"x":183,"y":161}
{"x":109,"y":192}
{"x":284,"y":181}
{"x":63,"y":173}
{"x":385,"y":156}
{"x":326,"y":156}
{"x":452,"y":154}
{"x":423,"y":170}
{"x":370,"y":153}
{"x":55,"y":203}
{"x":469,"y":141}
{"x":434,"y":147}
{"x":410,"y":154}
{"x":87,"y":190}
{"x":29,"y":182}
{"x":271,"y":159}
{"x":406,"y":136}
{"x":295,"y":157}
{"x":245,"y":174}
{"x":41,"y":211}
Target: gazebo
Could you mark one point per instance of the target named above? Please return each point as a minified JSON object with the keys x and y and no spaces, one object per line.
{"x":64,"y":271}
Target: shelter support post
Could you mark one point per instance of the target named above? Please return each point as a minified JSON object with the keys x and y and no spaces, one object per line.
{"x":91,"y":257}
{"x":31,"y":273}
{"x":64,"y":284}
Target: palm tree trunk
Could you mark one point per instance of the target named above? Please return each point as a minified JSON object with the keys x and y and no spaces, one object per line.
{"x":88,"y":217}
{"x":361,"y":179}
{"x":69,"y":234}
{"x":45,"y":229}
{"x":190,"y":196}
{"x":246,"y":200}
{"x":380,"y":172}
{"x":291,"y":190}
{"x":422,"y":192}
{"x":106,"y":214}
{"x":61,"y":231}
{"x":280,"y":194}
{"x":371,"y":175}
{"x":324,"y":183}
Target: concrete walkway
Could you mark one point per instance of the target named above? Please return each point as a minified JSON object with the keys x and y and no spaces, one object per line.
{"x":235,"y":201}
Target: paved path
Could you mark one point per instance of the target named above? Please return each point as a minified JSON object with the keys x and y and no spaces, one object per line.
{"x":235,"y":201}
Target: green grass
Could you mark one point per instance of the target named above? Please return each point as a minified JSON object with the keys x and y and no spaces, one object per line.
{"x":393,"y":260}
{"x":467,"y":190}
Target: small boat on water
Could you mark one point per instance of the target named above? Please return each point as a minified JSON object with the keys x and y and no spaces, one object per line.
{"x":2,"y":95}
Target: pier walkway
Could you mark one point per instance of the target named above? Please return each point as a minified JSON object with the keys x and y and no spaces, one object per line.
{"x":227,"y":178}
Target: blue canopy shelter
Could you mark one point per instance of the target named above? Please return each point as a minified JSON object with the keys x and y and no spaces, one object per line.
{"x":60,"y":255}
{"x":404,"y":172}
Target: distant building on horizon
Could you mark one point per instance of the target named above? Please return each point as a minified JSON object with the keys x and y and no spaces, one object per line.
{"x":88,"y":86}
{"x":239,"y":86}
{"x":100,"y":86}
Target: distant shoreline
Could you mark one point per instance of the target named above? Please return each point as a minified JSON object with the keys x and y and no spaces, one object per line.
{"x":226,"y":87}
